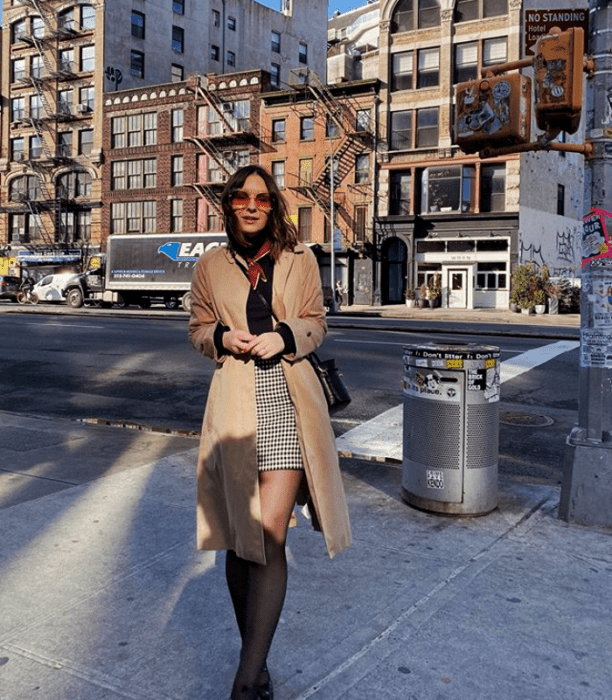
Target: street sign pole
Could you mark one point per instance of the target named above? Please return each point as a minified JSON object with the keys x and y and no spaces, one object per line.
{"x":586,"y":493}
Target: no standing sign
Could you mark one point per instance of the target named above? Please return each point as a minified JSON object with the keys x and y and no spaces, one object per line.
{"x":539,"y":23}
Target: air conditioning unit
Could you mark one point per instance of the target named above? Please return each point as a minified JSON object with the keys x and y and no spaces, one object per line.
{"x":82,"y":108}
{"x":228,"y":107}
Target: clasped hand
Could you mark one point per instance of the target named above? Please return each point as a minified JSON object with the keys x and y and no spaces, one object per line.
{"x":266,"y":345}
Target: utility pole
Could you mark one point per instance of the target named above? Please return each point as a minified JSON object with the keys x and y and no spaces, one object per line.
{"x":586,"y":493}
{"x":332,"y":226}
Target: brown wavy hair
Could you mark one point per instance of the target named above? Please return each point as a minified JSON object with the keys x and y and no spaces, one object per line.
{"x":281,"y":231}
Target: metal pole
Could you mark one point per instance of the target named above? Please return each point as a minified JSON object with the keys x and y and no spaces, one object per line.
{"x":332,"y":222}
{"x":586,"y":493}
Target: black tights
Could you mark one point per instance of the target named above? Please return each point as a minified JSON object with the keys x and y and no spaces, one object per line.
{"x":258,"y":594}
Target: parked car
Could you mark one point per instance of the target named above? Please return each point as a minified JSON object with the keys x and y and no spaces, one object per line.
{"x":51,"y":287}
{"x":9,"y":286}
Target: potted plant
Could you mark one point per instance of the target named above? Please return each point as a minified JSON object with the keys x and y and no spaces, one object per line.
{"x":525,"y":282}
{"x":553,"y":292}
{"x":410,"y":295}
{"x":422,"y":301}
{"x":434,"y":290}
{"x":514,"y":307}
{"x":539,"y":299}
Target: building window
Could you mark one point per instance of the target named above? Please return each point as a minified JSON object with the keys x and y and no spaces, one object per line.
{"x":332,"y":130}
{"x":306,"y":169}
{"x":303,"y":53}
{"x":360,"y":228}
{"x":427,"y":127}
{"x":275,"y":75}
{"x":278,"y":131}
{"x":135,"y":130}
{"x":428,"y":69}
{"x":133,"y":217}
{"x":18,"y":69}
{"x":400,"y":193}
{"x":38,"y":28}
{"x":176,"y":73}
{"x":402,"y":71}
{"x":36,"y":107}
{"x":178,"y":6}
{"x":278,"y":173}
{"x":66,"y":61}
{"x":216,"y":18}
{"x":494,"y":51}
{"x":66,"y":101}
{"x":213,"y":220}
{"x":214,"y":52}
{"x":466,"y":10}
{"x":18,"y":31}
{"x":491,"y":275}
{"x":137,"y":64}
{"x":275,"y":42}
{"x":466,"y":62}
{"x":178,"y":39}
{"x":231,"y":23}
{"x":305,"y":224}
{"x":306,"y":128}
{"x":86,"y":141}
{"x":561,"y":200}
{"x":73,"y":185}
{"x":35,"y":147}
{"x":17,"y":108}
{"x":88,"y":17}
{"x":493,"y":188}
{"x":88,"y":59}
{"x":176,"y":173}
{"x":401,"y":130}
{"x":448,"y":189}
{"x":138,"y":25}
{"x":231,"y":58}
{"x":176,"y":216}
{"x":37,"y":67}
{"x":134,"y":174}
{"x":415,"y":14}
{"x":177,"y":125}
{"x":25,"y":187}
{"x":64,"y":144}
{"x":362,"y":120}
{"x":86,"y":98}
{"x":362,"y":169}
{"x":66,"y":20}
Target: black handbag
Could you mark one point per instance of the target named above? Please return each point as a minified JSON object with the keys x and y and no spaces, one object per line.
{"x":334,"y":388}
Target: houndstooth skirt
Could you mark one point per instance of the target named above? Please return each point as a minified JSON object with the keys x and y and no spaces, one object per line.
{"x":278,"y":446}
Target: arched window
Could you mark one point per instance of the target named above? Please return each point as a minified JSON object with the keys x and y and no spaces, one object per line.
{"x":25,"y":188}
{"x":73,"y":185}
{"x":66,"y":20}
{"x":88,"y":17}
{"x":415,"y":14}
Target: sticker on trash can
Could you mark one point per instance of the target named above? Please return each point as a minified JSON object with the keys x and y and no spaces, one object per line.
{"x":454,"y":364}
{"x":435,"y":479}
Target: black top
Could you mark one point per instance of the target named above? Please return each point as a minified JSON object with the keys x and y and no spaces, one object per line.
{"x":258,"y":314}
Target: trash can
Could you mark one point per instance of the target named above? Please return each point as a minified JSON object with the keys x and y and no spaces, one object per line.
{"x":451,"y":428}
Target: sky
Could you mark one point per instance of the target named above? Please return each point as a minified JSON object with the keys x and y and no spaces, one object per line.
{"x":342,"y":5}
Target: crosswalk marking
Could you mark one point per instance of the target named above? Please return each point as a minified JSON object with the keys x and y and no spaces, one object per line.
{"x":380,"y":439}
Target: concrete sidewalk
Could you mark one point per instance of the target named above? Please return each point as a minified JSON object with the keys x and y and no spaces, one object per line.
{"x":103,"y":596}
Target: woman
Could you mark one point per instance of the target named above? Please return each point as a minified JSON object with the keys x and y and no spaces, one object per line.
{"x":257,"y":310}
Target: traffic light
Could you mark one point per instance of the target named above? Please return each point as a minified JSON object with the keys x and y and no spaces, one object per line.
{"x":558,"y":68}
{"x":493,"y":111}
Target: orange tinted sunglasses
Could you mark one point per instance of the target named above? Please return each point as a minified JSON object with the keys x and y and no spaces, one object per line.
{"x":241,"y":200}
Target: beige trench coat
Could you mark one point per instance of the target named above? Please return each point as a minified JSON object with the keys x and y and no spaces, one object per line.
{"x":228,"y":506}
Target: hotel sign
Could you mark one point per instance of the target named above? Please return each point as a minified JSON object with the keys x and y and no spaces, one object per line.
{"x":538,"y":23}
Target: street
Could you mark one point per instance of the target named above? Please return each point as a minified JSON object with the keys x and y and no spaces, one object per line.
{"x":143,"y":371}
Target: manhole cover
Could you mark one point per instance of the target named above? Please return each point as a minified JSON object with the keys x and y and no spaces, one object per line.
{"x":526,"y":420}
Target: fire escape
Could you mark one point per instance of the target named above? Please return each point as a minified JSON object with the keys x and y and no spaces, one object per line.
{"x":355,"y":137}
{"x":43,"y":116}
{"x":231,"y":125}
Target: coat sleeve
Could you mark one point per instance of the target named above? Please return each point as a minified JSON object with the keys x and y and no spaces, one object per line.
{"x":204,"y":320}
{"x":309,"y":327}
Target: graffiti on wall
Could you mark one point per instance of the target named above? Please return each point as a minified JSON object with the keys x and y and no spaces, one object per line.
{"x":563,"y":259}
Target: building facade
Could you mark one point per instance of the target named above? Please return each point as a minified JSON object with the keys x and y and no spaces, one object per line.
{"x":60,"y":58}
{"x":440,"y":211}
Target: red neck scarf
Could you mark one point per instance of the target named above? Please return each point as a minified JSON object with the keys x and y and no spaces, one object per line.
{"x":254,"y":269}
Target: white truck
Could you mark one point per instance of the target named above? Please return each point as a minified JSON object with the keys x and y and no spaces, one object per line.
{"x":137,"y":269}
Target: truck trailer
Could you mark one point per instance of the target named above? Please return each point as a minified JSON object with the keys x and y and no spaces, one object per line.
{"x":140,"y":268}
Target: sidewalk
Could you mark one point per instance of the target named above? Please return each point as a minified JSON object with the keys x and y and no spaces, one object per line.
{"x":103,"y":596}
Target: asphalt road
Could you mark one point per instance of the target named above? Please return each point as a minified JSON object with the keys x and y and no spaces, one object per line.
{"x":143,"y":371}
